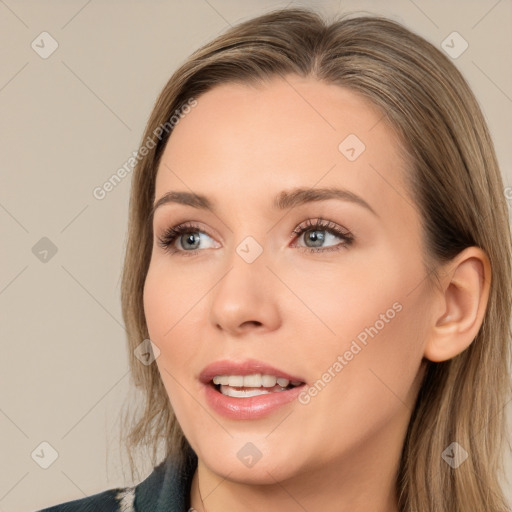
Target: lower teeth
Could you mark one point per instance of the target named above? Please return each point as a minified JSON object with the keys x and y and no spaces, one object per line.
{"x":248,"y":392}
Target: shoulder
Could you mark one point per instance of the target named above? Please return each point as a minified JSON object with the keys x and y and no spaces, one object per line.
{"x":166,"y":488}
{"x":113,"y":500}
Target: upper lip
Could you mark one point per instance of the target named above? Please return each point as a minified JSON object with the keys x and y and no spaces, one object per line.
{"x":246,"y":367}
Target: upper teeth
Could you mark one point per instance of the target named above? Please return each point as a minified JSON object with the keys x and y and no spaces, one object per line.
{"x":252,"y":381}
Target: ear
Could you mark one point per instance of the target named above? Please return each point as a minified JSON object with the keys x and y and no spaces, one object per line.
{"x":459,"y":304}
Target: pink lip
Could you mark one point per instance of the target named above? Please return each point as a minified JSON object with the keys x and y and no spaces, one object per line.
{"x":246,"y":408}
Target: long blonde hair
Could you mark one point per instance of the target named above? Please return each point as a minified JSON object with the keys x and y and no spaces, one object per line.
{"x":456,"y":183}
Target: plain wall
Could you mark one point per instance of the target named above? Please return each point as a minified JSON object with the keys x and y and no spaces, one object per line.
{"x":67,"y":123}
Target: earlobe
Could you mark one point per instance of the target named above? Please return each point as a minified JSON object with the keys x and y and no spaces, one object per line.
{"x":460,"y":305}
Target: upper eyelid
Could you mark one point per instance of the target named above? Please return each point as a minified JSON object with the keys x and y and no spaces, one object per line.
{"x":190,"y":225}
{"x":309,"y":223}
{"x":320,"y":223}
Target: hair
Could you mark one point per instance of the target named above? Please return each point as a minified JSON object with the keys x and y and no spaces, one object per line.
{"x":456,"y":183}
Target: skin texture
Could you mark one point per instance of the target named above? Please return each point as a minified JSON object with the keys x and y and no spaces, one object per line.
{"x":241,"y":146}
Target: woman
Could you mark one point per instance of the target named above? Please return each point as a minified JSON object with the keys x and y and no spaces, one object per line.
{"x":319,"y":252}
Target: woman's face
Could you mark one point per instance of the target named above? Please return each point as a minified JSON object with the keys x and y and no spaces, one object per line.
{"x":302,"y":258}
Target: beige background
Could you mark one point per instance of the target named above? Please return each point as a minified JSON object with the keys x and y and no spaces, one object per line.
{"x":67,"y":123}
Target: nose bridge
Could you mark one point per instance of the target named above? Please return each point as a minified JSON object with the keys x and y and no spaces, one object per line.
{"x":246,"y":292}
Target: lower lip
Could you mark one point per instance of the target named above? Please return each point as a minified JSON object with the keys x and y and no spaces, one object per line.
{"x":250,"y":408}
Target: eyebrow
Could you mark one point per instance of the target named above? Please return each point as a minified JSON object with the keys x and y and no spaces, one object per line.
{"x":286,"y":199}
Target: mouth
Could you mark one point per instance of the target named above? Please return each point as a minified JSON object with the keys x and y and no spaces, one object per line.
{"x":246,"y":386}
{"x":248,"y":389}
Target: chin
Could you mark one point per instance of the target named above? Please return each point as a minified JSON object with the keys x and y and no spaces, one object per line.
{"x":245,"y":462}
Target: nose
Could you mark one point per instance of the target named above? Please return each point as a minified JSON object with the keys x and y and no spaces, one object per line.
{"x":246,"y":299}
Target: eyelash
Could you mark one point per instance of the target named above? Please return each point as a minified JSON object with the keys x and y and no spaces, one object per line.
{"x":171,"y":234}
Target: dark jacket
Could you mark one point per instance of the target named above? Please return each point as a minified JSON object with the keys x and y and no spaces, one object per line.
{"x":166,"y":489}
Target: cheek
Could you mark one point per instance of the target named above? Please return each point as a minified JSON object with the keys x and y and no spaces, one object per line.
{"x":367,"y":377}
{"x":171,"y":298}
{"x":156,"y":303}
{"x":175,"y":309}
{"x":166,"y":313}
{"x":370,"y":329}
{"x":346,"y":297}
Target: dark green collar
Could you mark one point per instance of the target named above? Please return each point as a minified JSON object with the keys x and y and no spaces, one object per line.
{"x":167,"y":488}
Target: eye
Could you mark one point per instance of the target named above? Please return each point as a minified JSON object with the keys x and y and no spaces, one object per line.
{"x":321,"y":236}
{"x":187,"y":239}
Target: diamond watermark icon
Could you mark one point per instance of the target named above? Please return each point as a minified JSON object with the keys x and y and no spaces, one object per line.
{"x":454,"y":455}
{"x":146,"y":352}
{"x":44,"y":250}
{"x":351,"y":147}
{"x":44,"y":45}
{"x":249,"y":455}
{"x":249,"y":249}
{"x":44,"y":455}
{"x":454,"y":45}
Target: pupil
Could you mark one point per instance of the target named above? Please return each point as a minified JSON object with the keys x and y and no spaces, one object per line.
{"x":190,"y":238}
{"x":316,"y":237}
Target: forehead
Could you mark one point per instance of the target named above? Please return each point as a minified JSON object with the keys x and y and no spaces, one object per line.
{"x":291,"y":132}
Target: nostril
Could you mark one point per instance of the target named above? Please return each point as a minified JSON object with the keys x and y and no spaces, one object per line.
{"x":252,"y":323}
